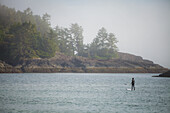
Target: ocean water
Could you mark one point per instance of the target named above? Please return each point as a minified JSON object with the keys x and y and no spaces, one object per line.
{"x":83,"y":93}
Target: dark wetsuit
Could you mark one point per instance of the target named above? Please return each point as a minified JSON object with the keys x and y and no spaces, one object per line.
{"x":133,"y":84}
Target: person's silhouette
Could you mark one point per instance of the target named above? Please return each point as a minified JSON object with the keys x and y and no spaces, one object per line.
{"x":133,"y":84}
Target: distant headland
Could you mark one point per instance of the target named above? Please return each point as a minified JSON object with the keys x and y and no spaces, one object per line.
{"x":28,"y":44}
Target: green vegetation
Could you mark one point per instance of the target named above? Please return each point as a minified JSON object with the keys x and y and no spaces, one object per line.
{"x":24,"y":35}
{"x":70,"y":39}
{"x":71,"y":43}
{"x":103,"y":46}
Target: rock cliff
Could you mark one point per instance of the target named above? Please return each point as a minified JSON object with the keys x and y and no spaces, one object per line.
{"x":125,"y":63}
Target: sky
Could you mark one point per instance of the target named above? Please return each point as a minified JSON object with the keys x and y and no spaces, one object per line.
{"x":142,"y":27}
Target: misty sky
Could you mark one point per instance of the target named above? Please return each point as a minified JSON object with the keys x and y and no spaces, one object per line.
{"x":142,"y":27}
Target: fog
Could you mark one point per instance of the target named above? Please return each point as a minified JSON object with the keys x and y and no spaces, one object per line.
{"x":142,"y":27}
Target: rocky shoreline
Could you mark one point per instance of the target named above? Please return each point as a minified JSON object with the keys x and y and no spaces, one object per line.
{"x":80,"y":70}
{"x":126,"y":63}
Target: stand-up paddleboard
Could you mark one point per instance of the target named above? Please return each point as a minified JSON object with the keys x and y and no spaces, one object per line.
{"x":128,"y":89}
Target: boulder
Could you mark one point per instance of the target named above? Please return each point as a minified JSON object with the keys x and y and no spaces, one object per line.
{"x":166,"y":74}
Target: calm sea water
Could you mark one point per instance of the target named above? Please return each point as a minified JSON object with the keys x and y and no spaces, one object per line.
{"x":83,"y":93}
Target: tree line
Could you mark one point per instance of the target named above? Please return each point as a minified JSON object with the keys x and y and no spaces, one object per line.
{"x":24,"y":35}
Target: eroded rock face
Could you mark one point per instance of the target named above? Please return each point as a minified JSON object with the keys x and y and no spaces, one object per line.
{"x":126,"y":63}
{"x":6,"y":68}
{"x":129,"y":57}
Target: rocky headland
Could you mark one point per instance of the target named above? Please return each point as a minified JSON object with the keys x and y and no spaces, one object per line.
{"x":125,"y":63}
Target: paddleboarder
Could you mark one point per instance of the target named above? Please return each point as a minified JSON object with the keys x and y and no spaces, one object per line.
{"x":133,"y":84}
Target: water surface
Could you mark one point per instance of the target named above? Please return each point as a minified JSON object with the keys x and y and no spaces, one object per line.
{"x":83,"y":93}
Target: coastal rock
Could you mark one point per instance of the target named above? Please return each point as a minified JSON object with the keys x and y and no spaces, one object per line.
{"x":166,"y":74}
{"x":6,"y":68}
{"x":126,"y":63}
{"x":129,"y":57}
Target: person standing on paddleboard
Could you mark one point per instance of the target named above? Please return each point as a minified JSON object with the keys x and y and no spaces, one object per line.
{"x":133,"y":84}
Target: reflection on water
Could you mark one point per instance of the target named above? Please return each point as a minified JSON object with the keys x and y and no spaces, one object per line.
{"x":82,"y":93}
